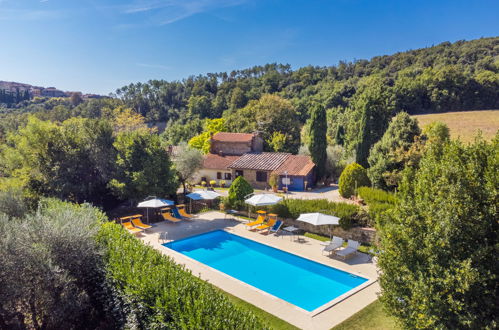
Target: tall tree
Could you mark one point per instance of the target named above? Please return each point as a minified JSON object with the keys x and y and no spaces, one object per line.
{"x":384,"y":162}
{"x":187,"y":162}
{"x":439,"y":267}
{"x":318,"y":142}
{"x":143,"y":167}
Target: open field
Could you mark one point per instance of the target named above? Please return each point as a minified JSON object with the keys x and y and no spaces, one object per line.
{"x":464,"y":124}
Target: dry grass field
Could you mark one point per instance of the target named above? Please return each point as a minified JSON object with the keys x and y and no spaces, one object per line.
{"x":465,"y":124}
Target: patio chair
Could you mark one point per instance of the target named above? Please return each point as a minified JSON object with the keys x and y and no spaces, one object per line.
{"x":165,"y":213}
{"x":334,"y":244}
{"x":131,"y":229}
{"x":259,"y":220}
{"x":277,"y":226}
{"x":350,"y":250}
{"x":139,"y":224}
{"x":181,"y":211}
{"x":267,"y":225}
{"x":270,"y":223}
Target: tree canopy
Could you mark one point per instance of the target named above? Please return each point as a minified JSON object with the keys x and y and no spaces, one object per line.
{"x":440,"y":242}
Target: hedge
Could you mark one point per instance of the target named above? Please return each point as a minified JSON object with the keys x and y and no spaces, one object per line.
{"x":162,"y":294}
{"x":373,"y":195}
{"x":292,"y":208}
{"x":377,"y":200}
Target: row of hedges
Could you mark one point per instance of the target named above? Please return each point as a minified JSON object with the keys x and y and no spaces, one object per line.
{"x":377,"y":200}
{"x":163,"y":295}
{"x":292,"y":208}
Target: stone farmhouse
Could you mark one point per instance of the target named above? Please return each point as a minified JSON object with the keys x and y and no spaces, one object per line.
{"x":241,"y":154}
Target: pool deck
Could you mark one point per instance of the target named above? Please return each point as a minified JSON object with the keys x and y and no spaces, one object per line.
{"x":306,"y":247}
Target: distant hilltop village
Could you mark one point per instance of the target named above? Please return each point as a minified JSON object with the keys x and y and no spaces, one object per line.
{"x":26,"y":91}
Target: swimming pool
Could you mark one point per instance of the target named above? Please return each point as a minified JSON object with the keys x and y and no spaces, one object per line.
{"x":299,"y":281}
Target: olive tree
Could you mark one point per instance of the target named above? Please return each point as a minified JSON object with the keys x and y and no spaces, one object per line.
{"x":51,"y":271}
{"x":187,"y":162}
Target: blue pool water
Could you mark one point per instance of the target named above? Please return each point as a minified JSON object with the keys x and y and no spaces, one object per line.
{"x":299,"y":281}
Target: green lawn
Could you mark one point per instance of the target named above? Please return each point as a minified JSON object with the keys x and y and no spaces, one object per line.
{"x":364,"y":248}
{"x":272,"y":321}
{"x":371,"y":317}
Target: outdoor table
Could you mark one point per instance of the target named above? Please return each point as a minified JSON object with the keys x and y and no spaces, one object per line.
{"x":232,"y":213}
{"x":291,"y":229}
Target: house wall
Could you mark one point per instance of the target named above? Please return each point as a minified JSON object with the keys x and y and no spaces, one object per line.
{"x":211,"y":174}
{"x":250,"y":176}
{"x":230,"y":148}
{"x":237,"y":148}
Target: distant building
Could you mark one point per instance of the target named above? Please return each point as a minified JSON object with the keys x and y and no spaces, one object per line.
{"x":240,"y":154}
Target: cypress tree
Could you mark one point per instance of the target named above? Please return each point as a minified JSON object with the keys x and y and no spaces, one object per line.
{"x":318,"y":142}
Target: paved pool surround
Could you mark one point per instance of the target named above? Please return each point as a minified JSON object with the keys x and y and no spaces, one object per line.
{"x":325,"y":317}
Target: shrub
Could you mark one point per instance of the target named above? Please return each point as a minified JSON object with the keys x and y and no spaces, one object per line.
{"x":51,"y":271}
{"x":292,"y":208}
{"x":238,"y":190}
{"x":377,"y":200}
{"x":373,"y":195}
{"x":162,"y":294}
{"x":274,"y":180}
{"x":352,"y":177}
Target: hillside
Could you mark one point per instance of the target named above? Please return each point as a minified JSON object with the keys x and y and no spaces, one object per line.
{"x":465,"y":124}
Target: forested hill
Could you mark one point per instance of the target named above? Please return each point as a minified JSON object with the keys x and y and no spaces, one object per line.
{"x":449,"y":76}
{"x":360,"y":97}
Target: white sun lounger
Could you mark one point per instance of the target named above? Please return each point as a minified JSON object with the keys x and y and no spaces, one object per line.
{"x":350,"y":250}
{"x":335,"y":243}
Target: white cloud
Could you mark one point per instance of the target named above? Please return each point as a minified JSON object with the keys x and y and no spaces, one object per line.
{"x":164,"y":12}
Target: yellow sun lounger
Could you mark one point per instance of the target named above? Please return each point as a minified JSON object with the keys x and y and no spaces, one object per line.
{"x":181,"y":211}
{"x":139,"y":224}
{"x":168,"y":217}
{"x":131,"y":229}
{"x":269,"y":224}
{"x":259,"y":220}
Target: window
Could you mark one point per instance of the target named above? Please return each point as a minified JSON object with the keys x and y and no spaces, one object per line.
{"x":261,"y":176}
{"x":239,"y":173}
{"x":219,"y":175}
{"x":228,"y":176}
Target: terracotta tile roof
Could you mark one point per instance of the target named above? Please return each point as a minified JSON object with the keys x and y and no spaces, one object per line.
{"x":264,"y":161}
{"x":233,"y":137}
{"x":218,"y":162}
{"x":296,"y":165}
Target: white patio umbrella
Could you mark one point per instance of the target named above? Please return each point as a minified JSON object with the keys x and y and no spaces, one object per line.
{"x":262,"y":200}
{"x":154,"y":203}
{"x":318,"y":219}
{"x":203,"y":194}
{"x":199,"y":195}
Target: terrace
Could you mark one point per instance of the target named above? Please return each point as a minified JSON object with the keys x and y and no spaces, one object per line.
{"x":328,"y":316}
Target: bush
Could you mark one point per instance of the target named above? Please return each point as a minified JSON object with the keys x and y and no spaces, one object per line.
{"x":238,"y":190}
{"x":353,"y":176}
{"x":162,"y":294}
{"x":292,"y":208}
{"x":51,"y":271}
{"x":377,"y":200}
{"x":373,"y":195}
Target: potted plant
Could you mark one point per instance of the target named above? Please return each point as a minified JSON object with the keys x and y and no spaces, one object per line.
{"x":223,"y":183}
{"x":203,"y":183}
{"x":213,"y":183}
{"x":274,"y":181}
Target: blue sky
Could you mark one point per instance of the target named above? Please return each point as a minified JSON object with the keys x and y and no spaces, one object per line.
{"x":99,"y":45}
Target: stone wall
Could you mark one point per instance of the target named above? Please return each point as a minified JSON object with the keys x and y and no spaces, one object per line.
{"x":230,"y":148}
{"x":361,"y":234}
